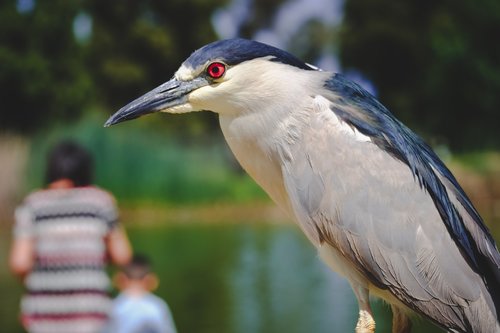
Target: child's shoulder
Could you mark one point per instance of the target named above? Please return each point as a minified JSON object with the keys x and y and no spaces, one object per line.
{"x":154,"y":299}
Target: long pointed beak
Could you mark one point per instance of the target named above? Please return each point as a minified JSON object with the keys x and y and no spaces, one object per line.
{"x":168,"y":95}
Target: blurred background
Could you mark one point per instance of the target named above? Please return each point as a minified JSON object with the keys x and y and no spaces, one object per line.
{"x":227,"y":258}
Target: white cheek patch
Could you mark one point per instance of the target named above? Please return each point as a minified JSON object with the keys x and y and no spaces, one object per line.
{"x":201,"y":96}
{"x":322,"y":106}
{"x":185,"y":73}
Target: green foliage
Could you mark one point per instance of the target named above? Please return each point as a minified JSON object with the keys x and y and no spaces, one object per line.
{"x":484,"y":163}
{"x":41,"y":74}
{"x":49,"y":75}
{"x":434,"y":63}
{"x":137,"y":164}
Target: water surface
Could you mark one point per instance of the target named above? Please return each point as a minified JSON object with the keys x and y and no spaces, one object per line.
{"x":251,"y":278}
{"x":236,"y":278}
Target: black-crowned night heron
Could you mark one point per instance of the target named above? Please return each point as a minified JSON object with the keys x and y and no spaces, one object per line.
{"x":379,"y":205}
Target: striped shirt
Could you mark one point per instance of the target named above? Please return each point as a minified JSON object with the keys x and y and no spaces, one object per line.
{"x":67,"y":289}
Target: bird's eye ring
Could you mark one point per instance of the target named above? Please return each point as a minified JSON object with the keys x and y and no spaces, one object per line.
{"x":216,"y":69}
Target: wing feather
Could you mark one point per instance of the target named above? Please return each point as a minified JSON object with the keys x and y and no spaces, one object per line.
{"x":362,"y":111}
{"x":374,"y":207}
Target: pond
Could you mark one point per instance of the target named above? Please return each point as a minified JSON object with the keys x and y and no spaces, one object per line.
{"x":241,"y":278}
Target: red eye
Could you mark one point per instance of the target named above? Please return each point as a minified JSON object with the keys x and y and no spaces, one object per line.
{"x":216,"y":70}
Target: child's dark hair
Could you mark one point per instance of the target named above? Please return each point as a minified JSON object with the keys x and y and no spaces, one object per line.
{"x":69,"y":160}
{"x":138,"y":267}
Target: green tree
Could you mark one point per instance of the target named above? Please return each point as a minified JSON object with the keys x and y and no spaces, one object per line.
{"x":49,"y":75}
{"x":435,"y":63}
{"x":40,"y":74}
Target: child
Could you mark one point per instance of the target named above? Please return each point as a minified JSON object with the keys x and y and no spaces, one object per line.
{"x":136,"y":309}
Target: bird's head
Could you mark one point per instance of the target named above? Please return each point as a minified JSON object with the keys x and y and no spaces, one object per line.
{"x":227,"y":76}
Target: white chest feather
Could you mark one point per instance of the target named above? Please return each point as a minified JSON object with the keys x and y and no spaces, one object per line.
{"x":264,"y":142}
{"x":255,"y":154}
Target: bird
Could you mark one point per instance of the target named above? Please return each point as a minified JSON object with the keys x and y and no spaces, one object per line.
{"x":379,"y":205}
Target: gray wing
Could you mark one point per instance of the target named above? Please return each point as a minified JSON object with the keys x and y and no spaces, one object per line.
{"x":362,"y":111}
{"x":360,"y":199}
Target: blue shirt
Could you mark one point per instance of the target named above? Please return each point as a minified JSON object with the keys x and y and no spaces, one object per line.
{"x":144,"y":313}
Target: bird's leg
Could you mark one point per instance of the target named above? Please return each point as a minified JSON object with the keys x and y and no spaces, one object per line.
{"x":401,"y":323}
{"x":366,"y":323}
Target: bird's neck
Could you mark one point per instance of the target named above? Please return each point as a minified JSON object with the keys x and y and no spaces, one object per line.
{"x":260,"y":141}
